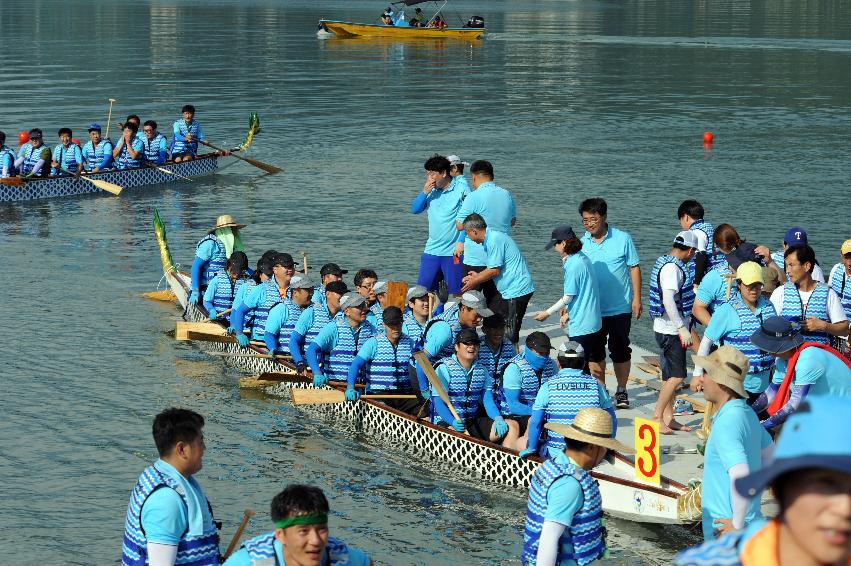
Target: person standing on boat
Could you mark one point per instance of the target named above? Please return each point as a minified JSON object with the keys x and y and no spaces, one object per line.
{"x":97,"y":153}
{"x":562,"y":396}
{"x":736,"y":443}
{"x":300,"y":538}
{"x":803,"y":300}
{"x":517,"y":385}
{"x":312,"y":320}
{"x":154,"y":144}
{"x":734,"y":322}
{"x":441,"y":198}
{"x":496,"y":351}
{"x":339,"y":340}
{"x":129,"y":151}
{"x":262,"y":298}
{"x":329,"y":272}
{"x":187,"y":132}
{"x":581,"y":300}
{"x":810,"y":476}
{"x":34,"y":156}
{"x":222,"y":291}
{"x":802,"y":368}
{"x":212,"y":253}
{"x":284,"y":316}
{"x":507,"y":267}
{"x":690,"y":214}
{"x":7,"y":158}
{"x":416,"y":315}
{"x":671,"y":299}
{"x":496,"y":205}
{"x":615,"y":260}
{"x":840,"y":282}
{"x":564,"y":516}
{"x":66,"y":155}
{"x":796,"y":236}
{"x":169,"y":519}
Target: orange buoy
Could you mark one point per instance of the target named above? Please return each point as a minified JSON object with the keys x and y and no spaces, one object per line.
{"x":708,"y":137}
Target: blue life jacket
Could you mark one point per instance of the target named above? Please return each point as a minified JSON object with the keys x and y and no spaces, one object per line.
{"x":795,"y":312}
{"x":378,"y":311}
{"x":179,"y":147}
{"x":321,"y":317}
{"x":6,"y":154}
{"x":585,"y":535}
{"x":151,"y":148}
{"x":93,"y":156}
{"x":569,"y":391}
{"x":293,"y":312}
{"x":495,"y":362}
{"x":716,"y":259}
{"x":31,"y":157}
{"x":842,"y":287}
{"x":530,"y":383}
{"x":449,"y":316}
{"x":191,"y":550}
{"x":779,"y":258}
{"x":125,"y":161}
{"x":349,"y":340}
{"x":261,"y":550}
{"x":684,"y":297}
{"x":226,"y":289}
{"x":271,"y":297}
{"x":719,"y":300}
{"x":749,"y":323}
{"x":413,"y":328}
{"x":216,"y":263}
{"x":66,"y":157}
{"x":464,"y":395}
{"x":389,"y":369}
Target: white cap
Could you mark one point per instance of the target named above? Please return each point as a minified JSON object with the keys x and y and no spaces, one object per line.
{"x":351,"y":300}
{"x":687,"y":238}
{"x":571,"y":349}
{"x":476,"y":300}
{"x":455,"y":160}
{"x":300,"y":281}
{"x":416,"y":291}
{"x":379,"y":287}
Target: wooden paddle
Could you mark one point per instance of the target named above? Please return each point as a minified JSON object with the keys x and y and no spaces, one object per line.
{"x":326,"y":396}
{"x":303,"y":261}
{"x":397,"y":292}
{"x":227,"y":339}
{"x":259,"y":164}
{"x":12,"y":181}
{"x":435,"y":382}
{"x":164,"y":170}
{"x":109,"y":117}
{"x":210,"y":328}
{"x":223,"y":313}
{"x":232,"y":546}
{"x":166,"y":295}
{"x":283,"y":357}
{"x":102,"y":185}
{"x":268,"y":379}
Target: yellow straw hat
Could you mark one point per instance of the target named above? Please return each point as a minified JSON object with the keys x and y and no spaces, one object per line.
{"x":593,"y":426}
{"x":726,"y":366}
{"x":226,"y":221}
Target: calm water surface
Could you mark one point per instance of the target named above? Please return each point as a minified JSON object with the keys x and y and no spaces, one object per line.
{"x":567,"y":99}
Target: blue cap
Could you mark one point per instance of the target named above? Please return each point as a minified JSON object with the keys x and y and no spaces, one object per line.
{"x":795,"y":236}
{"x":94,"y":126}
{"x":815,"y":436}
{"x":776,"y":334}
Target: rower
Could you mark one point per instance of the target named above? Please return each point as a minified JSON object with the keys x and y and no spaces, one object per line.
{"x":383,"y":360}
{"x":690,"y":214}
{"x":507,"y":268}
{"x":168,"y":514}
{"x":155,"y":146}
{"x":212,"y":253}
{"x":802,"y":368}
{"x":339,"y":340}
{"x":66,"y":155}
{"x":377,"y":308}
{"x":283,"y":316}
{"x":300,"y":516}
{"x":365,"y":280}
{"x":97,"y":153}
{"x":795,"y":236}
{"x":469,"y":387}
{"x":187,"y":132}
{"x":496,"y":350}
{"x":735,"y":446}
{"x":128,"y":152}
{"x":7,"y":158}
{"x":516,"y":387}
{"x":222,"y":291}
{"x":312,"y":320}
{"x":805,"y":301}
{"x":329,"y":272}
{"x":840,"y":282}
{"x":132,"y":119}
{"x":564,"y":517}
{"x":33,"y":156}
{"x":734,"y":322}
{"x":416,"y":315}
{"x":562,"y":396}
{"x":263,"y":297}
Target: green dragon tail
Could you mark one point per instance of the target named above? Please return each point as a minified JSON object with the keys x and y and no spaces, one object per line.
{"x":165,"y":254}
{"x":253,"y":130}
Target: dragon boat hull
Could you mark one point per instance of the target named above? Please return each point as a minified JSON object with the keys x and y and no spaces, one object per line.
{"x":351,"y":29}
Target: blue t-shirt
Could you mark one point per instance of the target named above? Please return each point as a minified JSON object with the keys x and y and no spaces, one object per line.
{"x":736,"y":438}
{"x":714,"y":286}
{"x":254,"y":297}
{"x":357,"y":557}
{"x":442,"y":206}
{"x":822,"y":371}
{"x":327,"y":337}
{"x":612,"y":258}
{"x":442,"y":372}
{"x":165,"y":516}
{"x":497,"y":207}
{"x":580,"y":282}
{"x":439,"y":334}
{"x":514,"y":279}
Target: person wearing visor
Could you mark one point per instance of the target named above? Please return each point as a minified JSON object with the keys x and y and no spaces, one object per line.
{"x":809,"y":474}
{"x":313,"y":320}
{"x":339,"y":340}
{"x":34,"y":157}
{"x":263,"y":297}
{"x":97,"y":152}
{"x":564,"y":514}
{"x":801,"y":369}
{"x":329,"y":272}
{"x":496,"y":350}
{"x":469,"y":387}
{"x":284,"y":316}
{"x":223,"y":289}
{"x":733,"y":324}
{"x":300,"y":516}
{"x":840,"y":282}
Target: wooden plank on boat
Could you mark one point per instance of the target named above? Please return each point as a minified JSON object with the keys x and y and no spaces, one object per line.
{"x":181,"y":329}
{"x":653,"y":361}
{"x":649,"y":369}
{"x":325,"y":396}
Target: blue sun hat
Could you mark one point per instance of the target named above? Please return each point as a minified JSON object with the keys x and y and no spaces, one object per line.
{"x":776,"y":334}
{"x":815,"y":436}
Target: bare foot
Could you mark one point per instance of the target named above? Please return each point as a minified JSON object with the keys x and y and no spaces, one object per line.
{"x":681,"y":427}
{"x":663,"y":428}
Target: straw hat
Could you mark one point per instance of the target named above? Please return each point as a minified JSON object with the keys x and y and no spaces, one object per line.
{"x":726,"y":366}
{"x":226,"y":221}
{"x":593,"y":426}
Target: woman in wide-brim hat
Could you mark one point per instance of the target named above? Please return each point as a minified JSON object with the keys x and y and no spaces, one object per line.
{"x":226,"y":221}
{"x":591,"y":426}
{"x":212,"y":253}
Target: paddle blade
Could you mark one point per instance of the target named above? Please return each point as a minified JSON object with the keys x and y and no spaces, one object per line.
{"x":316,"y":396}
{"x":397,"y":292}
{"x":264,"y":166}
{"x":12,"y":181}
{"x":105,"y":186}
{"x":165,"y":254}
{"x":182,"y":328}
{"x":165,"y":295}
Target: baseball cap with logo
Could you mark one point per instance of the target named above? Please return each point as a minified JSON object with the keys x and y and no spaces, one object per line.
{"x":795,"y":236}
{"x":539,"y":342}
{"x":455,"y":160}
{"x":749,"y":273}
{"x":687,"y":238}
{"x":476,"y":300}
{"x":300,"y":281}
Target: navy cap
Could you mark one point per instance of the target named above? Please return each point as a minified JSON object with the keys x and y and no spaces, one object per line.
{"x":776,"y":334}
{"x":795,"y":236}
{"x":332,"y":269}
{"x":392,"y":316}
{"x":563,"y":232}
{"x":745,"y":252}
{"x":467,"y":336}
{"x":539,"y":342}
{"x":94,"y":126}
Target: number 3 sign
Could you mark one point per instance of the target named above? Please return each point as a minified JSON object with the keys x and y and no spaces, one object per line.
{"x":647,"y":450}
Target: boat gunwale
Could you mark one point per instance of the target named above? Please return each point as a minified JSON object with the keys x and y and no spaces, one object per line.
{"x":481,"y":31}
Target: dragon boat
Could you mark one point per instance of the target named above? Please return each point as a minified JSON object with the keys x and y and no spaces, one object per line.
{"x":670,"y":502}
{"x":21,"y":189}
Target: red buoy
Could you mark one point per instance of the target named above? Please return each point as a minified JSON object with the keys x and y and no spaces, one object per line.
{"x":23,"y":137}
{"x":708,"y":137}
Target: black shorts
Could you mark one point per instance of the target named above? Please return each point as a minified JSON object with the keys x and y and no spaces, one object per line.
{"x":616,"y":331}
{"x":522,"y":420}
{"x":672,"y":356}
{"x":594,"y":345}
{"x":478,"y":427}
{"x":488,"y":288}
{"x":513,"y":310}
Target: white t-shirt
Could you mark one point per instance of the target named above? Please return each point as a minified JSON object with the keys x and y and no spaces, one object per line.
{"x":671,"y":278}
{"x":835,"y":312}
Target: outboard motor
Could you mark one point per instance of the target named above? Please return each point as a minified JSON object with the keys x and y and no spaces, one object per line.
{"x":475,"y":22}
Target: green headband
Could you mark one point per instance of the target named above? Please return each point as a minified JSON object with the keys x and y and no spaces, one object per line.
{"x":312,"y":519}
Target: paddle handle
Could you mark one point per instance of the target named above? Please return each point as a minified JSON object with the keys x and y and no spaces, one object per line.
{"x":232,"y":546}
{"x":388,"y":396}
{"x":435,"y":382}
{"x":223,"y":313}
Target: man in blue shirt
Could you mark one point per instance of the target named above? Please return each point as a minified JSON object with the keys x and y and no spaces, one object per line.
{"x":97,"y":153}
{"x":67,"y":155}
{"x":284,"y":316}
{"x":329,"y":272}
{"x":313,"y":320}
{"x":497,"y":207}
{"x":615,"y":260}
{"x":7,"y":158}
{"x":441,"y":197}
{"x":339,"y":340}
{"x":187,"y":133}
{"x":507,"y":268}
{"x":154,"y":145}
